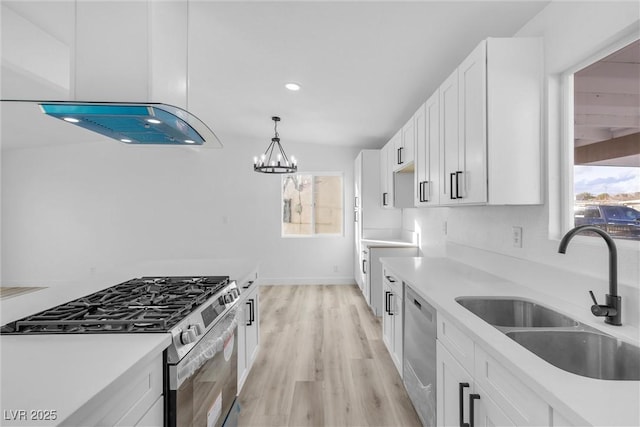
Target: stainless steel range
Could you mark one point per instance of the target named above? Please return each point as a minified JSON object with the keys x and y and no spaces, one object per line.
{"x":198,"y":312}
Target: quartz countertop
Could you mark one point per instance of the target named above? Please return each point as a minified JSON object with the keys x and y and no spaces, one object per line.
{"x":582,"y":400}
{"x":390,"y":243}
{"x":63,"y":372}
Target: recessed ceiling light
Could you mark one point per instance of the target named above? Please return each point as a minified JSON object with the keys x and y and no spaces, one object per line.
{"x":154,"y":121}
{"x":292,"y":86}
{"x":189,"y":141}
{"x":125,"y":140}
{"x":71,"y":120}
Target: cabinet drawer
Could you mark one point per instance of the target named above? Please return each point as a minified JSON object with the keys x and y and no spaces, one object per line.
{"x":517,"y":400}
{"x":458,"y":344}
{"x":392,"y":281}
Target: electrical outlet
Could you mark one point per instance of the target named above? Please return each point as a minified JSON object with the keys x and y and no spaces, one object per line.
{"x":516,"y":234}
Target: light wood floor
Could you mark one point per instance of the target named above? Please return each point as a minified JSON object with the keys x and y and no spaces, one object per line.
{"x":322,"y":362}
{"x":12,"y":291}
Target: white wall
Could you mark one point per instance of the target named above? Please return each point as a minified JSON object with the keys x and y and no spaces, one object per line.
{"x":572,"y":32}
{"x":77,"y":210}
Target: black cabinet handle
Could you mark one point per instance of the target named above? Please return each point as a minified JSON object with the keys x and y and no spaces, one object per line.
{"x":420,"y":191}
{"x":386,"y":301}
{"x":451,"y":176}
{"x":249,"y":283}
{"x":391,"y":279}
{"x":250,"y":304}
{"x":384,"y":199}
{"x":425,"y":188}
{"x":458,"y":173}
{"x":391,"y":312}
{"x":472,"y":398}
{"x":462,"y":386}
{"x":364,"y":266}
{"x":400,"y":161}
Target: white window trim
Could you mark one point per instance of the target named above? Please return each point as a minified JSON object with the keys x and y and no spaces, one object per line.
{"x":567,"y":136}
{"x":314,"y":235}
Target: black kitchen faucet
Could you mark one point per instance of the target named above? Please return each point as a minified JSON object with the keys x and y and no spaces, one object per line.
{"x":613,"y":308}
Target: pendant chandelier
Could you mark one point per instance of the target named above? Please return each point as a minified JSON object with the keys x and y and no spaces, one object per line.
{"x":274,"y":159}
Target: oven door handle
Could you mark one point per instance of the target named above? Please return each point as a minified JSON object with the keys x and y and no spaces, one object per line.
{"x":212,"y":343}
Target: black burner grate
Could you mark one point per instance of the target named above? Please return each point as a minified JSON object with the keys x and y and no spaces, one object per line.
{"x":147,"y":304}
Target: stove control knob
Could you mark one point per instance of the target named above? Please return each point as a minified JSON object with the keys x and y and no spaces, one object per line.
{"x":188,"y":336}
{"x":197,"y":329}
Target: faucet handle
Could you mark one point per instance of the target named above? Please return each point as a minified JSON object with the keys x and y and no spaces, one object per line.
{"x":601,"y":310}
{"x":593,"y":298}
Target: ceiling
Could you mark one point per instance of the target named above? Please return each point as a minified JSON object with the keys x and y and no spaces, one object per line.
{"x":607,"y":109}
{"x":364,"y":67}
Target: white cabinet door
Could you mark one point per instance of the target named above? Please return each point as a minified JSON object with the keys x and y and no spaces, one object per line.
{"x":387,"y":319}
{"x":472,"y":127}
{"x":487,"y":413}
{"x":453,"y":386}
{"x":253,"y":327}
{"x":421,"y":157}
{"x":427,"y":160}
{"x":248,"y":328}
{"x":396,"y":306}
{"x":404,"y":145}
{"x":386,"y":175}
{"x":448,"y":97}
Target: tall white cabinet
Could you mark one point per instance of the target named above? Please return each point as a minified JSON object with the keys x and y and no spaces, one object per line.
{"x":427,"y":186}
{"x":368,"y":212}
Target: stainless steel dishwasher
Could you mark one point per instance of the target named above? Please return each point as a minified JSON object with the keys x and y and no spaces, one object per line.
{"x":420,"y":355}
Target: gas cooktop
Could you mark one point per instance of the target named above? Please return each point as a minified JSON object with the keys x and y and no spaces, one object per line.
{"x":147,"y":304}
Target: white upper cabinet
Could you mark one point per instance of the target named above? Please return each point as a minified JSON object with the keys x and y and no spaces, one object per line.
{"x":404,"y":145}
{"x":449,"y":150}
{"x":491,"y":140}
{"x":427,"y":153}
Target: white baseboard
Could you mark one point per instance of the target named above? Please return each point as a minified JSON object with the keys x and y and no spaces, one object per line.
{"x":307,"y":280}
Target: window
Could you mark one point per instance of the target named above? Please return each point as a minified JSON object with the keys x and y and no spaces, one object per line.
{"x":606,"y":143}
{"x":312,"y":205}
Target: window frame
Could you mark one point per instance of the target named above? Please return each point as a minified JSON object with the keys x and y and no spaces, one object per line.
{"x":567,"y":160}
{"x":313,"y":214}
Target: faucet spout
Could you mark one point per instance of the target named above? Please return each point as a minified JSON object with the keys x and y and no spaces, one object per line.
{"x":613,"y":301}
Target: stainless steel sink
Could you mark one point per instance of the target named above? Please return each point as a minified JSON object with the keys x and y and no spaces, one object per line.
{"x":585,"y":353}
{"x":515,"y":313}
{"x":558,"y":339}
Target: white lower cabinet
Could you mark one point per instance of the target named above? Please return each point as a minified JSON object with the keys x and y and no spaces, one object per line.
{"x":475,"y":389}
{"x":460,"y":400}
{"x":133,"y":399}
{"x":392,"y":324}
{"x":248,"y":328}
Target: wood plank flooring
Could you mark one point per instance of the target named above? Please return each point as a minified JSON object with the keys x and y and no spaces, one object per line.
{"x":322,"y":362}
{"x":12,"y":291}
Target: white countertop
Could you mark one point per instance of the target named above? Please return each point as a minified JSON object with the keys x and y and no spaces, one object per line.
{"x":388,"y":243}
{"x":62,"y":372}
{"x":584,"y":401}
